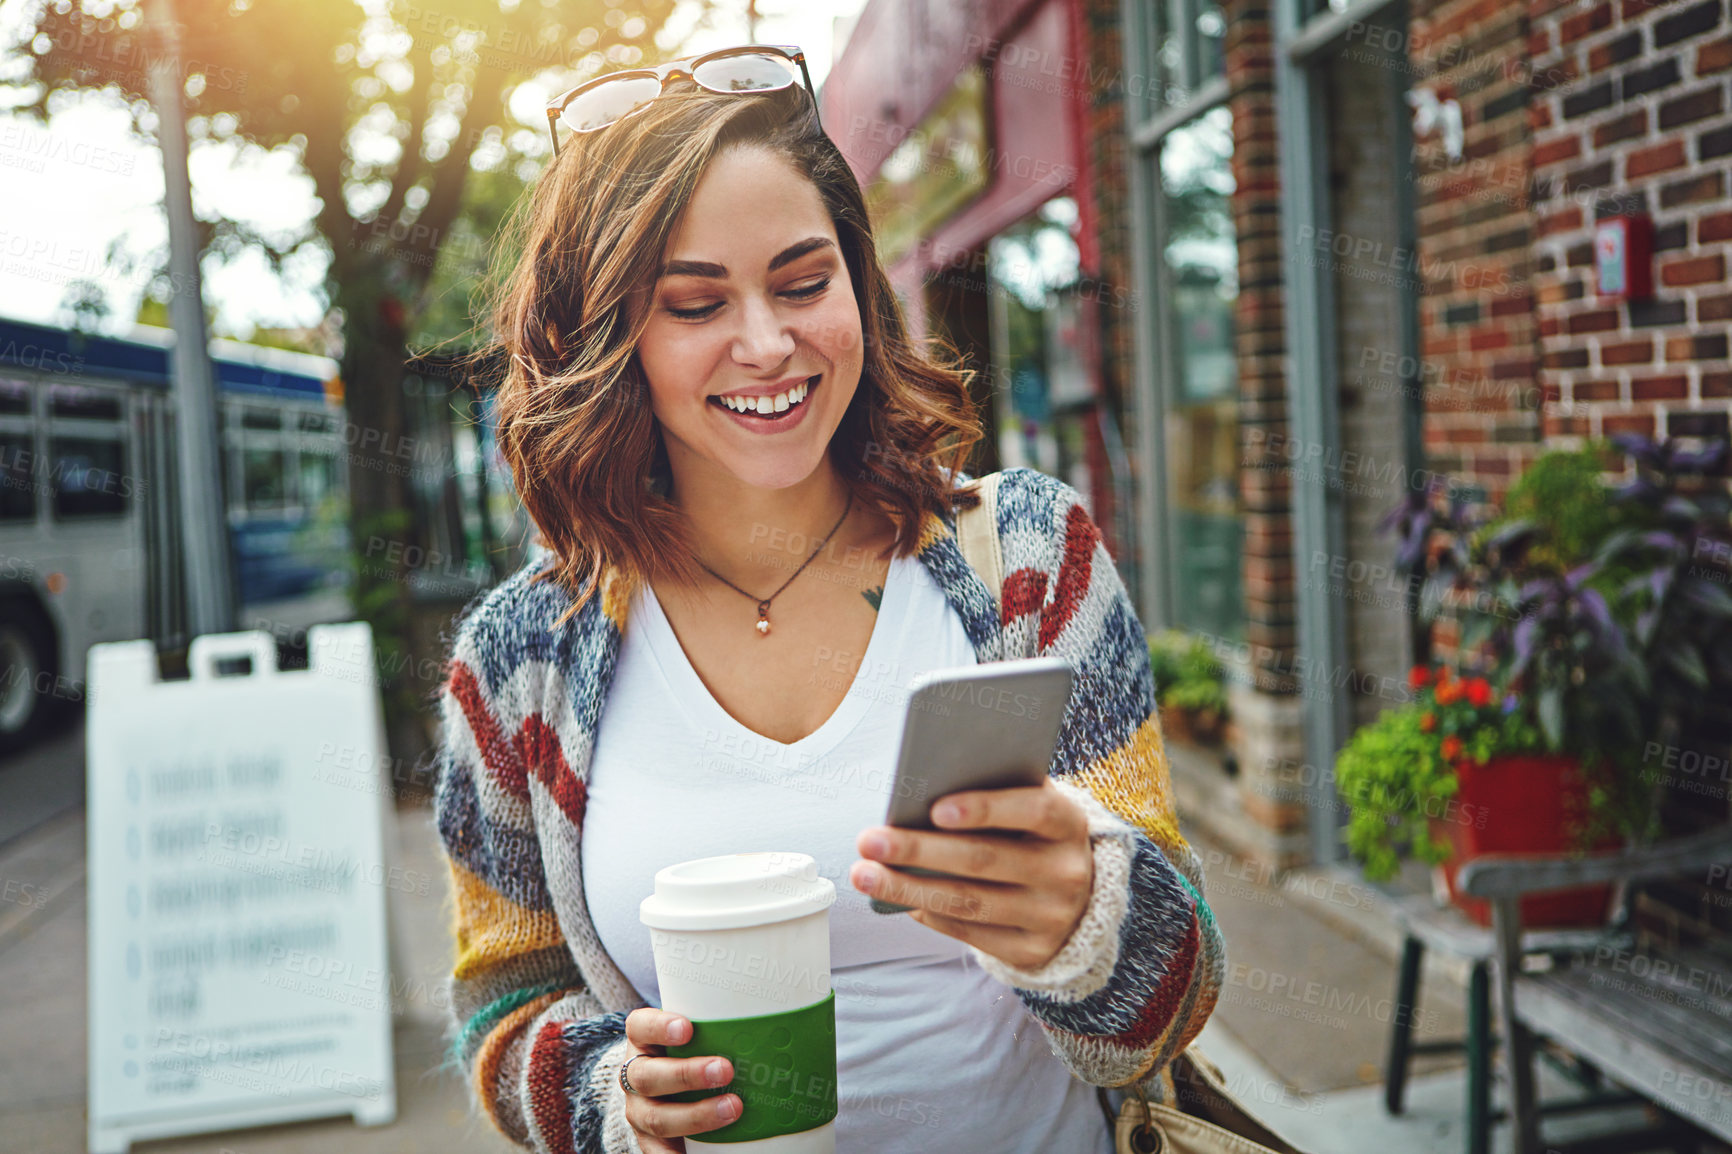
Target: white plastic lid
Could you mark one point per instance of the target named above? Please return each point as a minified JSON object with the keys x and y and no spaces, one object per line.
{"x":736,"y":890}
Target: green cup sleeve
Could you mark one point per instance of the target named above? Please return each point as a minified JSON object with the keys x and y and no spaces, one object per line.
{"x":784,"y":1069}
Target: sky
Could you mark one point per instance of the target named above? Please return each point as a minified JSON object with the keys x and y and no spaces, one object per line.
{"x":81,"y":190}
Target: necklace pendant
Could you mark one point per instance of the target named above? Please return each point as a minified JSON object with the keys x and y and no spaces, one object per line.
{"x":763,"y":618}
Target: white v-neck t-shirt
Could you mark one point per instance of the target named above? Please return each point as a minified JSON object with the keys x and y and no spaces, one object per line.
{"x":932,"y":1052}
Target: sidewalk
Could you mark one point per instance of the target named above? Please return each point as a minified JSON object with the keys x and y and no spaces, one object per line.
{"x":42,"y":1032}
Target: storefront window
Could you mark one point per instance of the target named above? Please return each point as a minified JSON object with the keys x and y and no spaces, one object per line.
{"x":1046,"y":390}
{"x":1188,"y":36}
{"x":935,"y":170}
{"x":1202,"y":425}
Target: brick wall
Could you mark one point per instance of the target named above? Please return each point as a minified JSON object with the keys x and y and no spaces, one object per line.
{"x":1260,"y":342}
{"x":1479,"y":343}
{"x":1105,"y":152}
{"x":1640,"y":123}
{"x":1269,"y":741}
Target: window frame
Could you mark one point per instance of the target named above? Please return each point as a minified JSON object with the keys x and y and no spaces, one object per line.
{"x":1157,"y":368}
{"x":1306,"y":34}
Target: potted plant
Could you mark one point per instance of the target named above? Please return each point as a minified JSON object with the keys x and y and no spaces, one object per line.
{"x":1532,"y":595}
{"x":1460,"y":771}
{"x":1188,"y":687}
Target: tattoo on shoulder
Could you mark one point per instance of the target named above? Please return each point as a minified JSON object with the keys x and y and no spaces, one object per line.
{"x":873,"y":596}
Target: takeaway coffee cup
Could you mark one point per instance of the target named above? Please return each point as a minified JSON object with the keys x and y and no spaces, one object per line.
{"x":742,"y":949}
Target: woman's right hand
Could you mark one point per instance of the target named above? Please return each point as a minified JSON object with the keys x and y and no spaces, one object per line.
{"x":659,"y":1122}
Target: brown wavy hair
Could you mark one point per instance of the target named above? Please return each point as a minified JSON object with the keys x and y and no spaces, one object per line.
{"x":573,"y":411}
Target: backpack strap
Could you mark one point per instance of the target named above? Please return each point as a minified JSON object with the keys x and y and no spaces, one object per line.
{"x":977,"y":534}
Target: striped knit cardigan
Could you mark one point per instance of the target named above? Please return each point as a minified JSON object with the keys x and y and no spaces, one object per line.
{"x":538,"y":1008}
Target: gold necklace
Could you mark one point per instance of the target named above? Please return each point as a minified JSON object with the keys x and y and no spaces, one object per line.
{"x":764,"y":603}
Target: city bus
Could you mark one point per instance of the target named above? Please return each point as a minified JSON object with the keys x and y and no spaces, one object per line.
{"x":90,"y":543}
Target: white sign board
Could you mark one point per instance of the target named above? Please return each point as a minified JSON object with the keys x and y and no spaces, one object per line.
{"x":237,"y":889}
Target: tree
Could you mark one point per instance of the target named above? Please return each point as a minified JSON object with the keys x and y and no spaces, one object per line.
{"x":389,"y":107}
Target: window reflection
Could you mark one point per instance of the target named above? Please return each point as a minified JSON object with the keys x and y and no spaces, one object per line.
{"x":17,"y":477}
{"x":1188,"y":38}
{"x":264,"y":475}
{"x":1201,"y":256}
{"x":1211,"y":25}
{"x":1038,"y":359}
{"x":89,"y":477}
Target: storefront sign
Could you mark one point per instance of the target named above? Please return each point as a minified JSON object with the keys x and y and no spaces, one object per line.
{"x":237,"y":889}
{"x":934,"y":171}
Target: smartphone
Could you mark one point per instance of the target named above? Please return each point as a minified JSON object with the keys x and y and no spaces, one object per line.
{"x":973,"y":727}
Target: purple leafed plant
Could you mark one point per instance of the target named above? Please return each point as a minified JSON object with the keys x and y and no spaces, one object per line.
{"x":1676,"y":592}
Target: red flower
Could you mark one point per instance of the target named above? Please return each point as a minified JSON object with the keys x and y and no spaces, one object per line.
{"x":1418,"y":677}
{"x":1427,"y":721}
{"x":1479,"y":692}
{"x":1448,"y":692}
{"x":1451,"y":748}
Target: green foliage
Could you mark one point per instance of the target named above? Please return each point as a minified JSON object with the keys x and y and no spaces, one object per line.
{"x":1188,"y":675}
{"x":1195,"y":696}
{"x":390,"y":109}
{"x":1561,"y":492}
{"x":1164,"y":660}
{"x":378,"y":600}
{"x":1532,"y":598}
{"x":479,"y":246}
{"x":1603,"y":614}
{"x":1398,"y":772}
{"x":1392,"y":773}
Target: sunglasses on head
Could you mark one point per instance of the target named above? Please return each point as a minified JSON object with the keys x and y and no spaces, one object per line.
{"x":606,"y":100}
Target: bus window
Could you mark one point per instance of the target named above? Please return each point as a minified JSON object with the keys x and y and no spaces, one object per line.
{"x":89,"y":477}
{"x":318,"y":477}
{"x":263,"y":474}
{"x":78,"y":401}
{"x":14,"y":397}
{"x":17,"y":485}
{"x":252,"y":418}
{"x":316,"y":423}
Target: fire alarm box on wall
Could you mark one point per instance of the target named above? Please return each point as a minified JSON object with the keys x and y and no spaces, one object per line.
{"x":1624,"y":257}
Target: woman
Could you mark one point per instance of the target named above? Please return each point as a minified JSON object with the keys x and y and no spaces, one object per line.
{"x":745,"y":474}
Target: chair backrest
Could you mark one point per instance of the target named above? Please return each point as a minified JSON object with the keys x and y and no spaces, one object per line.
{"x":1510,"y":876}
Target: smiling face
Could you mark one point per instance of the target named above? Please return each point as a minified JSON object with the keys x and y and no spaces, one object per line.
{"x":752,"y":349}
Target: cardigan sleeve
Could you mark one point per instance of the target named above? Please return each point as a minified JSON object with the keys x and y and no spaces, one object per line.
{"x":533,"y":1043}
{"x":1139,"y":977}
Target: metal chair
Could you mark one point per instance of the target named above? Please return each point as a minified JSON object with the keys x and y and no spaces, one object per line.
{"x":1427,"y":925}
{"x":1627,"y":1022}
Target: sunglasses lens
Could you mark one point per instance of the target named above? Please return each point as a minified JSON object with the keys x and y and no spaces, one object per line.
{"x":600,"y":106}
{"x":747,"y":72}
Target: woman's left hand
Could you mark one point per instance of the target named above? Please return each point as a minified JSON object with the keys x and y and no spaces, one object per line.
{"x":1024,"y":892}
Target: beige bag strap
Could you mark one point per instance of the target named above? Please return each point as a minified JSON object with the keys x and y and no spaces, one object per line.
{"x":977,"y":534}
{"x":1211,"y":1121}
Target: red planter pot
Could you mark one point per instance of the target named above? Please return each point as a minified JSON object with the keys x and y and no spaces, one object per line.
{"x":1527,"y":804}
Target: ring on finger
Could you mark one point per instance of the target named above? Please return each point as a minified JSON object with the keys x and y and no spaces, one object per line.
{"x":625,"y":1080}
